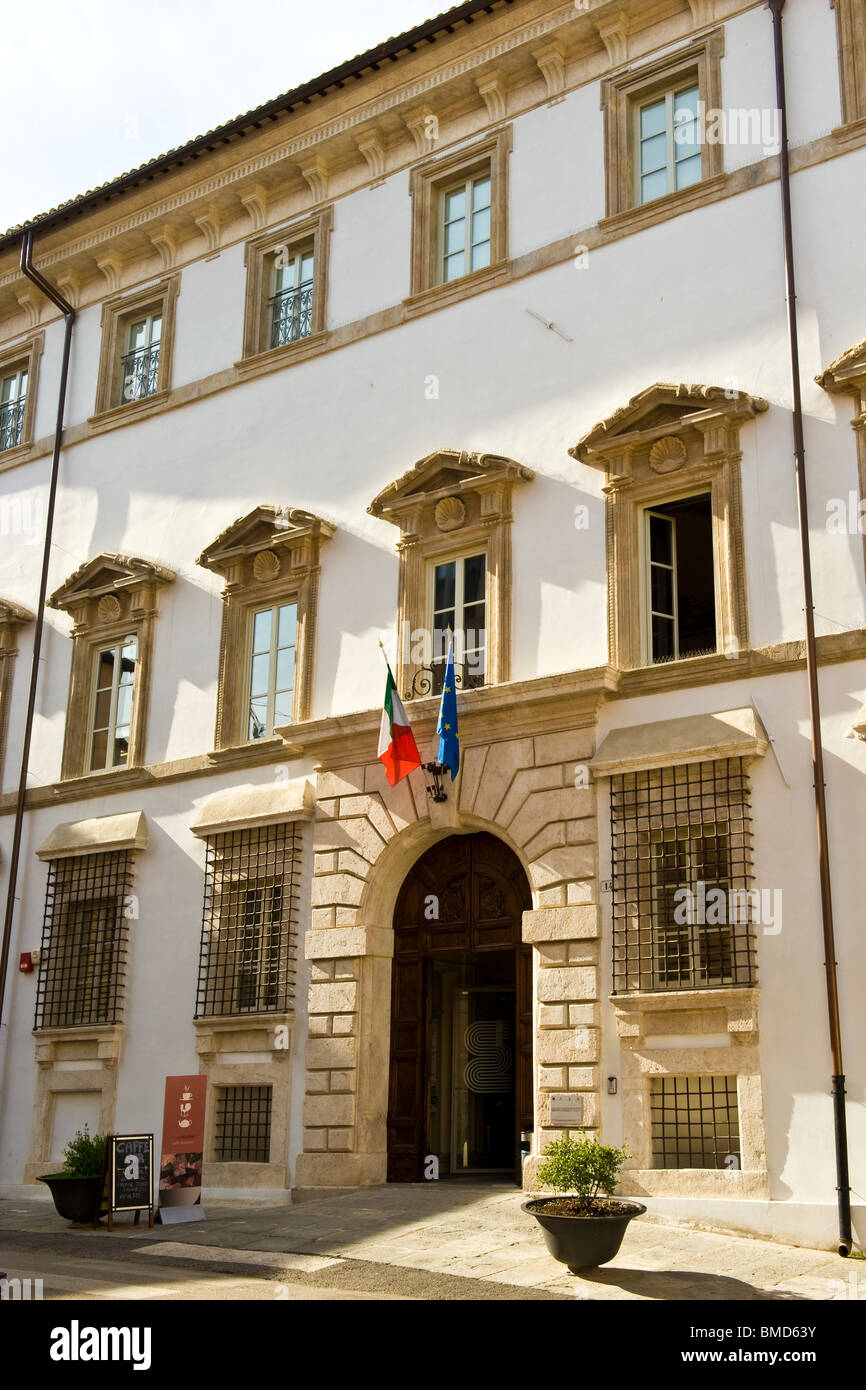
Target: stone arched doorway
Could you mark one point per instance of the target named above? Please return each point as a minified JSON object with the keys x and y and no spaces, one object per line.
{"x":460,"y":1083}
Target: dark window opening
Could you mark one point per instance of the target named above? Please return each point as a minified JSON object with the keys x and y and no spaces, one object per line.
{"x":682,"y":599}
{"x":695,"y":1122}
{"x":243,"y":1124}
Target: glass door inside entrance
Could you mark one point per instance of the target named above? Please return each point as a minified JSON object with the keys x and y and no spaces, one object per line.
{"x":472,"y":1064}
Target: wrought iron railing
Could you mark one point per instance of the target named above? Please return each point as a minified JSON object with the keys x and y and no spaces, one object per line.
{"x":11,"y":423}
{"x":139,"y":373}
{"x":291,"y":315}
{"x":428,"y":680}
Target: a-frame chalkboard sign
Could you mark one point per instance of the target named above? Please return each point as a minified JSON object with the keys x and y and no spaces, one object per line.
{"x":127,"y":1177}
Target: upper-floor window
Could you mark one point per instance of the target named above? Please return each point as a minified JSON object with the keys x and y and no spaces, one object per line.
{"x":656,"y":126}
{"x":287,"y":287}
{"x":113,"y":694}
{"x":667,"y":140}
{"x":113,"y":601}
{"x":683,"y":908}
{"x":292,"y":297}
{"x":83,"y":959}
{"x":19,"y":368}
{"x":269,"y":560}
{"x":139,"y":367}
{"x":13,"y":399}
{"x":460,"y":220}
{"x":679,"y":594}
{"x":137,"y":344}
{"x":273,"y":641}
{"x":466,"y":226}
{"x":459,"y":606}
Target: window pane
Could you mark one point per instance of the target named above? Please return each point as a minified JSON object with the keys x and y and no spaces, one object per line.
{"x":156,"y":328}
{"x":6,"y":388}
{"x":103,"y":709}
{"x":653,"y":154}
{"x":686,"y":105}
{"x":686,"y":140}
{"x":283,"y":708}
{"x":481,"y":225}
{"x":443,"y":588}
{"x":121,"y":747}
{"x":128,"y":656}
{"x":285,"y":668}
{"x":481,"y":255}
{"x":100,"y":748}
{"x":454,"y":266}
{"x":124,"y":706}
{"x":138,"y":334}
{"x":689,"y":171}
{"x":262,"y":631}
{"x":661,"y":540}
{"x":662,"y":590}
{"x":455,"y":237}
{"x":455,"y":204}
{"x":105,"y":670}
{"x":288,"y":625}
{"x":258,"y":718}
{"x":481,"y":194}
{"x":663,"y":638}
{"x":307,"y":267}
{"x":260,"y":674}
{"x":652,"y":118}
{"x":473,"y":579}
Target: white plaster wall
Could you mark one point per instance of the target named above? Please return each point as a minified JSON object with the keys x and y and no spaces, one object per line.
{"x":557,"y":170}
{"x":370,"y":245}
{"x":211,"y":292}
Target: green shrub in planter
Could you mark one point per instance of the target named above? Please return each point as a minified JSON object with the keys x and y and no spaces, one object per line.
{"x":84,"y":1155}
{"x":585,"y":1169}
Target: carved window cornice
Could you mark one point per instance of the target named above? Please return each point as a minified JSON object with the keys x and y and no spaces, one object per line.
{"x":667,"y":441}
{"x":109,"y":598}
{"x":12,"y":618}
{"x":452,"y":501}
{"x":846,"y":376}
{"x":270,"y":555}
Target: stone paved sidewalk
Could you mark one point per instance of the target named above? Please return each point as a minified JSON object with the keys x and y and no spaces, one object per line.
{"x":470,"y":1231}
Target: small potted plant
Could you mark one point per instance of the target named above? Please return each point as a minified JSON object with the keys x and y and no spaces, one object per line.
{"x":584,"y":1223}
{"x":77,"y":1189}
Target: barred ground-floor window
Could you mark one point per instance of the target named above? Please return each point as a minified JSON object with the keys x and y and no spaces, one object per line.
{"x":695,"y":1122}
{"x":84,"y":940}
{"x":242,"y":1133}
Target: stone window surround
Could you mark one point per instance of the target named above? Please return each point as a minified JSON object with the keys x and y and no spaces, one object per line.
{"x":427,"y":182}
{"x":851,"y":50}
{"x":222,"y":1041}
{"x":108,"y":598}
{"x":271,"y":555}
{"x":481,"y":486}
{"x":160,"y":296}
{"x":699,"y":60}
{"x":314,"y":230}
{"x":97,"y":1047}
{"x":26,"y":355}
{"x":12,"y":617}
{"x":846,"y":376}
{"x":696,"y":451}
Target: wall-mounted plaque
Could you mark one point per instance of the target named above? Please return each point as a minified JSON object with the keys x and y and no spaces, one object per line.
{"x":566,"y":1110}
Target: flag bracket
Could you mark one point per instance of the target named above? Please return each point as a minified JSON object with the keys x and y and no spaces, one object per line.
{"x":437,"y":772}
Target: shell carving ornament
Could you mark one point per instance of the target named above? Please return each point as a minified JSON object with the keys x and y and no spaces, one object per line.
{"x":266,"y":565}
{"x":108,"y":609}
{"x":449,"y":514}
{"x":667,"y":454}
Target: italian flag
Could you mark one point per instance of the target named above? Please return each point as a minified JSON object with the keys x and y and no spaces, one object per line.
{"x":398,"y":751}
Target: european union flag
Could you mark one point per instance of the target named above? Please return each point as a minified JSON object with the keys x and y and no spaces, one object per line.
{"x":446,"y":728}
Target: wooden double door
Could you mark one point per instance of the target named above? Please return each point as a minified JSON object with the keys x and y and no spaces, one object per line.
{"x":460,"y":1087}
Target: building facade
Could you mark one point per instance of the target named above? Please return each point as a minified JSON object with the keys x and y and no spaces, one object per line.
{"x":485,"y":331}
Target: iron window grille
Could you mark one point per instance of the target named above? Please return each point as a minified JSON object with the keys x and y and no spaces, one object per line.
{"x":139,"y":373}
{"x":683,"y":910}
{"x":292,"y":314}
{"x":249,"y":924}
{"x":695,"y":1122}
{"x":12,"y":422}
{"x":242,"y":1132}
{"x":82,"y":965}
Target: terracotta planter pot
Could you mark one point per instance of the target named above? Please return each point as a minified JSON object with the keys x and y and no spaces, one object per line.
{"x":76,"y":1199}
{"x":582,"y":1242}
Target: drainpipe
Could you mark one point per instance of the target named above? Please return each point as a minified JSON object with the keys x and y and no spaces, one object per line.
{"x":838,"y":1078}
{"x":68,"y":313}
